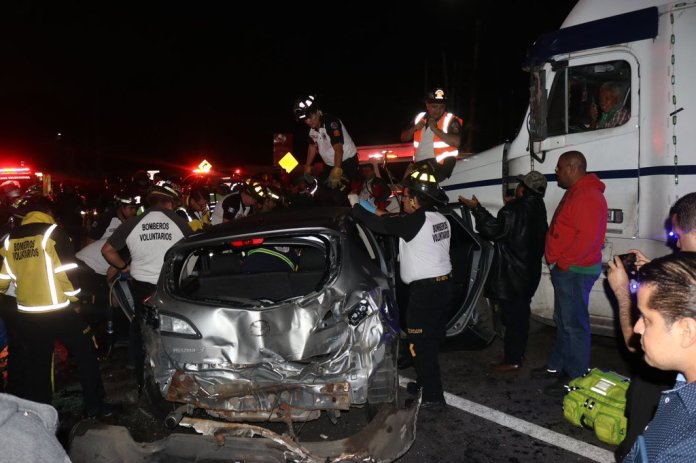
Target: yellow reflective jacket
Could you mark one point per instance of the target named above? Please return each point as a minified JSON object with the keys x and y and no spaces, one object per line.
{"x":37,"y":256}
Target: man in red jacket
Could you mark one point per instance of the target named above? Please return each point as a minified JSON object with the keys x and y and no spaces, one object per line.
{"x":574,"y":252}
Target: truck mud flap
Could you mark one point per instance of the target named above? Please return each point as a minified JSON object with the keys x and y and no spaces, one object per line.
{"x":385,"y":438}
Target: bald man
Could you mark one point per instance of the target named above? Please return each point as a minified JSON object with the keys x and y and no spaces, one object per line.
{"x":574,"y":252}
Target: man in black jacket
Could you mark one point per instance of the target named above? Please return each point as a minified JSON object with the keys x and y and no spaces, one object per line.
{"x":518,"y":234}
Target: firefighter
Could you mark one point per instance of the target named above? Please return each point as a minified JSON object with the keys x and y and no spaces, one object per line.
{"x":435,"y":134}
{"x":236,"y":205}
{"x":38,"y":257}
{"x":329,"y":138}
{"x":148,"y":237}
{"x":196,"y":211}
{"x":424,"y":242}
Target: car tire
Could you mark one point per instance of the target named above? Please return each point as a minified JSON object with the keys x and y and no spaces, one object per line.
{"x":157,"y":405}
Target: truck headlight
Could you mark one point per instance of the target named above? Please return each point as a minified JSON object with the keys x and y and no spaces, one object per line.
{"x":174,"y":325}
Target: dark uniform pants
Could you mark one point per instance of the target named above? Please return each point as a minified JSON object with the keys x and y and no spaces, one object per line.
{"x":426,"y":318}
{"x":30,"y":374}
{"x":141,"y":290}
{"x":515,"y":318}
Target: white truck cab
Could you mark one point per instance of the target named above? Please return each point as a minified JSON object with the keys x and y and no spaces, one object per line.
{"x":647,"y":50}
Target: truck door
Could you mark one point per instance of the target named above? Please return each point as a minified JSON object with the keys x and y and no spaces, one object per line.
{"x":564,"y":123}
{"x":611,"y":146}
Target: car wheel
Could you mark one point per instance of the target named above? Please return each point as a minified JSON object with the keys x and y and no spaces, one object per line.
{"x":157,"y":405}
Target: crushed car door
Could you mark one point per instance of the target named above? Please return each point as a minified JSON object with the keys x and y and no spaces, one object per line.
{"x":471,"y":258}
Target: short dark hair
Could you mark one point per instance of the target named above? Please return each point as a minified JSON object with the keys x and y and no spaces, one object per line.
{"x":40,"y":204}
{"x":684,"y":210}
{"x":674,"y":279}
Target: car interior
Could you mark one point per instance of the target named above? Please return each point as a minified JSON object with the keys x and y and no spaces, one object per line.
{"x":225,"y":274}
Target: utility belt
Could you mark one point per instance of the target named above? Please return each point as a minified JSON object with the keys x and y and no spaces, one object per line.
{"x":439,"y":279}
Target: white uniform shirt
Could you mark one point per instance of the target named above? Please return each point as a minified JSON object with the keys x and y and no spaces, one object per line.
{"x":91,"y":254}
{"x":148,"y":237}
{"x":426,"y":147}
{"x":427,"y":254}
{"x":331,"y":132}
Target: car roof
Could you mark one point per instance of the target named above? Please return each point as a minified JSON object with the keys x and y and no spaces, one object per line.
{"x":332,"y":218}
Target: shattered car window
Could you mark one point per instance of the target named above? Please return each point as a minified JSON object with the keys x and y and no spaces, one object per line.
{"x":258,"y":271}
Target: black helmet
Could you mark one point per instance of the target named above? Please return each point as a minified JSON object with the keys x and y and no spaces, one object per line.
{"x":127,"y":198}
{"x":305,"y":107}
{"x":141,"y":179}
{"x":436,"y":95}
{"x":10,"y":189}
{"x":165,"y":189}
{"x":421,"y":181}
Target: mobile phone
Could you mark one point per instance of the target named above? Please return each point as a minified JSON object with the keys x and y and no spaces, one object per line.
{"x":629,"y":262}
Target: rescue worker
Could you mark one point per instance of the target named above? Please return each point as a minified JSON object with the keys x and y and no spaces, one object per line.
{"x":329,"y":138}
{"x":94,"y":271}
{"x":38,"y":255}
{"x":197,"y":212}
{"x":236,"y":205}
{"x":436,"y":135}
{"x":424,"y":244}
{"x":148,"y":237}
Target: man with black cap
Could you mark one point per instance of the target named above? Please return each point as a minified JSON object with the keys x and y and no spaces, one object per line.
{"x":435,"y":134}
{"x":518,"y":233}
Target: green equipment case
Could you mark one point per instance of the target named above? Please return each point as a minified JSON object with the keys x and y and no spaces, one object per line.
{"x":597,"y":401}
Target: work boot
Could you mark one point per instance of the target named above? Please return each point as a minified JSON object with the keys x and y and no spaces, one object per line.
{"x":558,"y":388}
{"x":545,"y":373}
{"x":413,"y":388}
{"x":507,"y":367}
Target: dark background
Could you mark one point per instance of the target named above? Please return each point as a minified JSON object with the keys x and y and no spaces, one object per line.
{"x":158,"y":84}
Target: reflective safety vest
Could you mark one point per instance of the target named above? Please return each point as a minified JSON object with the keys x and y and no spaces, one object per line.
{"x":196,"y":220}
{"x":38,"y":256}
{"x":441,"y":149}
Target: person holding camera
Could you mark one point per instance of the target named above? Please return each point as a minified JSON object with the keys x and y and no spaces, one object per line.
{"x":647,"y":383}
{"x":667,"y":327}
{"x":436,"y":135}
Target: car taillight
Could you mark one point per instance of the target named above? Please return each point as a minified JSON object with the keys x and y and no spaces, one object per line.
{"x":249,"y":242}
{"x":174,"y":325}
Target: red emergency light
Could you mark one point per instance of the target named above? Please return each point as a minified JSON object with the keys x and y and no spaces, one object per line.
{"x":248,"y":242}
{"x":15,"y":173}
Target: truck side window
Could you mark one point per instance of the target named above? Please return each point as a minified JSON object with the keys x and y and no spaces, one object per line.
{"x":589,"y":97}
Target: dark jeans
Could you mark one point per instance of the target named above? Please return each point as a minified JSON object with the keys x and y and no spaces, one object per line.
{"x":426,"y":317}
{"x":141,"y":290}
{"x":515,"y":317}
{"x":571,"y":351}
{"x":32,"y":368}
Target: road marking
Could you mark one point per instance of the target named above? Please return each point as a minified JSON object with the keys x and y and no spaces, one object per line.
{"x":525,"y":427}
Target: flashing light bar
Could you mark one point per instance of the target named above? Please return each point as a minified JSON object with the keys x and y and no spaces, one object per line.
{"x":14,"y":170}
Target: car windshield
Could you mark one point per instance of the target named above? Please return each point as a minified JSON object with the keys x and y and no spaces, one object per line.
{"x":253,"y":272}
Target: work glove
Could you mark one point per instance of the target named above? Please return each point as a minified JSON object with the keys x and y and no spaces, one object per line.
{"x":335,"y":178}
{"x":353,"y":199}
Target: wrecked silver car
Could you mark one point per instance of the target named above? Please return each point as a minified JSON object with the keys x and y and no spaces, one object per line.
{"x":284,"y":317}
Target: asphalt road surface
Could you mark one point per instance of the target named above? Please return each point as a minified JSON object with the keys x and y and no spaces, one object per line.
{"x":491,"y":417}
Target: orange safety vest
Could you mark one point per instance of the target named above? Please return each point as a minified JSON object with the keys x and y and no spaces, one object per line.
{"x":442,"y":149}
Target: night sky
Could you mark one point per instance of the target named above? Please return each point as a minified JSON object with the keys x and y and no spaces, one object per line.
{"x":148,"y":84}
